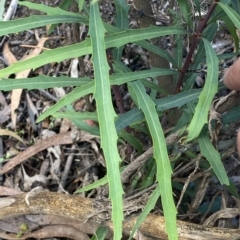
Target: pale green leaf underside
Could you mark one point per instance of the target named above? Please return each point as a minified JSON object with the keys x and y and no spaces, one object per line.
{"x":94,"y":185}
{"x":106,"y":117}
{"x":64,"y":81}
{"x":119,"y":78}
{"x":164,"y":169}
{"x":147,"y":208}
{"x":77,"y":115}
{"x":207,"y":94}
{"x":213,"y":157}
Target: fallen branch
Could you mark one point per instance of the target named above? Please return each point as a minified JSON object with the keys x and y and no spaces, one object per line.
{"x":82,"y":209}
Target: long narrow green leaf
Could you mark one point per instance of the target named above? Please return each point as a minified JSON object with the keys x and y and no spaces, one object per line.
{"x":63,"y":6}
{"x":185,"y":9}
{"x":42,"y":82}
{"x":115,"y":40}
{"x":55,"y":55}
{"x":121,"y":22}
{"x":135,"y":142}
{"x":100,"y":233}
{"x":75,"y":94}
{"x":158,"y":51}
{"x":236,"y":5}
{"x":52,"y":10}
{"x":64,"y":81}
{"x":164,"y":169}
{"x":77,"y":115}
{"x":94,"y":185}
{"x":232,"y":14}
{"x":109,"y":28}
{"x":106,"y":116}
{"x":232,"y":30}
{"x":207,"y":94}
{"x":87,"y":88}
{"x":148,"y":207}
{"x":15,"y":26}
{"x":213,"y":157}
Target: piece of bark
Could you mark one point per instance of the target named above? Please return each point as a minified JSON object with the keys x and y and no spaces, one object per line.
{"x":81,"y":209}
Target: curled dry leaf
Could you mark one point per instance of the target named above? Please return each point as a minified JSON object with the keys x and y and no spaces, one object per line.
{"x":5,"y":132}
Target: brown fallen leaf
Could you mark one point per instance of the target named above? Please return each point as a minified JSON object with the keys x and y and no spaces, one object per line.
{"x":62,"y":138}
{"x":10,"y":58}
{"x":16,"y":93}
{"x":5,"y":132}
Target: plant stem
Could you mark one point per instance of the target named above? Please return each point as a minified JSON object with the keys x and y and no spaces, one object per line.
{"x":196,"y":37}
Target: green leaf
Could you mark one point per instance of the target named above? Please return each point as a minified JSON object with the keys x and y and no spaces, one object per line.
{"x":232,"y":14}
{"x":132,"y":140}
{"x":177,"y":100}
{"x":86,"y":127}
{"x":62,"y":10}
{"x":236,"y":5}
{"x":75,"y":94}
{"x":186,"y":12}
{"x":42,"y":82}
{"x":133,"y":35}
{"x":213,"y":157}
{"x":106,"y":116}
{"x":100,"y":233}
{"x":209,"y":90}
{"x":158,"y":51}
{"x":64,"y":81}
{"x":80,"y":5}
{"x":136,"y":115}
{"x":21,"y":24}
{"x":121,"y":78}
{"x":149,"y":176}
{"x":121,"y":22}
{"x":148,"y":207}
{"x":198,"y":6}
{"x":232,"y":115}
{"x":115,"y":40}
{"x":232,"y":29}
{"x":116,"y":79}
{"x":55,"y":55}
{"x":209,"y":33}
{"x":109,"y":28}
{"x":77,"y":115}
{"x":164,"y":169}
{"x":97,"y":184}
{"x":64,"y":6}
